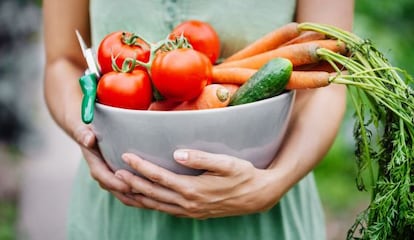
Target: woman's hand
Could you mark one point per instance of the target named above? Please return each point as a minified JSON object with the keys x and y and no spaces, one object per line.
{"x":99,"y":170}
{"x":230,"y":186}
{"x":64,"y":65}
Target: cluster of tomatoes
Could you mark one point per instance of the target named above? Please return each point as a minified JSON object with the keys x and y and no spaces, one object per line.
{"x":135,"y":72}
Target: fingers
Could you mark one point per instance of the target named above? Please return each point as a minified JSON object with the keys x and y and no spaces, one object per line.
{"x":99,"y":170}
{"x":219,"y":192}
{"x":215,"y":163}
{"x":165,"y":185}
{"x":127,"y":199}
{"x":160,"y":206}
{"x":141,"y":201}
{"x":102,"y":174}
{"x":150,"y":189}
{"x":84,"y":136}
{"x":155,"y":173}
{"x":97,"y":166}
{"x":146,"y":194}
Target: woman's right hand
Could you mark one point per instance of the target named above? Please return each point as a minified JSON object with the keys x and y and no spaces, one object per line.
{"x":64,"y":65}
{"x":99,"y":170}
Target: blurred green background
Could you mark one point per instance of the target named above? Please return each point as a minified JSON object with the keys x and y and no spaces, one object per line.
{"x":389,"y":24}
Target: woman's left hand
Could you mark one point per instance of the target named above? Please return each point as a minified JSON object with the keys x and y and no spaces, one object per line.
{"x":230,"y":186}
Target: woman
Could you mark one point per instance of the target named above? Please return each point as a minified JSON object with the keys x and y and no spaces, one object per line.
{"x":238,"y":201}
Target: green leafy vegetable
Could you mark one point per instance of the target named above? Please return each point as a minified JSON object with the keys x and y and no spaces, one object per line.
{"x":383,"y":132}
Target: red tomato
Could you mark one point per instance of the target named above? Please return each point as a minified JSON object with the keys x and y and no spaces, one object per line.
{"x":125,"y":90}
{"x":181,"y":74}
{"x":201,"y":36}
{"x":121,"y":45}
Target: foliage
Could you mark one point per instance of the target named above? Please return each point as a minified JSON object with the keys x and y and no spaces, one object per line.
{"x":384,"y":133}
{"x":391,"y":28}
{"x":336,"y":174}
{"x":8,"y":215}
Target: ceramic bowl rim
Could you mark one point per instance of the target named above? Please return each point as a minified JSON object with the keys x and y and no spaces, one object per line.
{"x":200,"y":111}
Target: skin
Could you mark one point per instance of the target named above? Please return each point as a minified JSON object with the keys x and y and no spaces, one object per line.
{"x":230,"y":186}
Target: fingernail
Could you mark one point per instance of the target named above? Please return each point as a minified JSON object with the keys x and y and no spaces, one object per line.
{"x":180,"y":155}
{"x":87,"y":139}
{"x":118,"y":175}
{"x":125,"y":158}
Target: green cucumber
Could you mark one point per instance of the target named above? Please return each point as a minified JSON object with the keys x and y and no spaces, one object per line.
{"x":270,"y":80}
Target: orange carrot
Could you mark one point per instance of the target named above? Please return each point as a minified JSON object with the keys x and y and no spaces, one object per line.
{"x":320,"y":66}
{"x":299,"y":54}
{"x":268,"y":42}
{"x":306,"y":36}
{"x":233,"y":75}
{"x":308,"y":79}
{"x":298,"y":79}
{"x":212,"y":96}
{"x":164,"y":105}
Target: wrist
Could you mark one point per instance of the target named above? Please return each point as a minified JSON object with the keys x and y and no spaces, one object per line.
{"x":64,"y":100}
{"x":282,"y":177}
{"x":276,"y":183}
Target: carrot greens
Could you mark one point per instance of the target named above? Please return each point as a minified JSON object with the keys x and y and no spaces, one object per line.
{"x":384,"y":132}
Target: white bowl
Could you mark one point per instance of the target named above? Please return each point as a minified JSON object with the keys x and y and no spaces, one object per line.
{"x":251,"y":131}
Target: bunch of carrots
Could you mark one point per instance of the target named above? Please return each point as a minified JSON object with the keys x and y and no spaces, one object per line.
{"x":288,"y":42}
{"x":382,"y":97}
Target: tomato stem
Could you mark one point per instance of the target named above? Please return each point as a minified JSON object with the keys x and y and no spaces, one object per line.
{"x":176,"y":43}
{"x":127,"y":66}
{"x":163,"y":45}
{"x":130,"y":39}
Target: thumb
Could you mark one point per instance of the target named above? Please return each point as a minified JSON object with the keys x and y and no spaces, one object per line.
{"x":218,"y":163}
{"x":84,"y":136}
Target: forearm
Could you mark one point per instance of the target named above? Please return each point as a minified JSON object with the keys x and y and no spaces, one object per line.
{"x":313,"y":128}
{"x":63,"y":94}
{"x":64,"y":60}
{"x":317,"y":114}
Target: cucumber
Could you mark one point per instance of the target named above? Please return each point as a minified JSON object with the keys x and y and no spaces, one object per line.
{"x":270,"y":80}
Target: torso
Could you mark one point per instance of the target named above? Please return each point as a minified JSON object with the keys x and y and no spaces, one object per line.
{"x":237,"y":22}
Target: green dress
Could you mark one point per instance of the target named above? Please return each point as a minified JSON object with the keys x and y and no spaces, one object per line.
{"x":96,"y":214}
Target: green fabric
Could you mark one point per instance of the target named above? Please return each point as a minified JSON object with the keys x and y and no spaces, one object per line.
{"x":96,"y":214}
{"x":237,"y":22}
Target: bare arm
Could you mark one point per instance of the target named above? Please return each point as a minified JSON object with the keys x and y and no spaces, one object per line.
{"x":64,"y":65}
{"x":317,"y":113}
{"x":334,"y":12}
{"x":64,"y":61}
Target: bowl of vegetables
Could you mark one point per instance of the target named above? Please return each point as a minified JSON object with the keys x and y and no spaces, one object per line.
{"x":251,"y":131}
{"x":154,"y":98}
{"x":252,"y":128}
